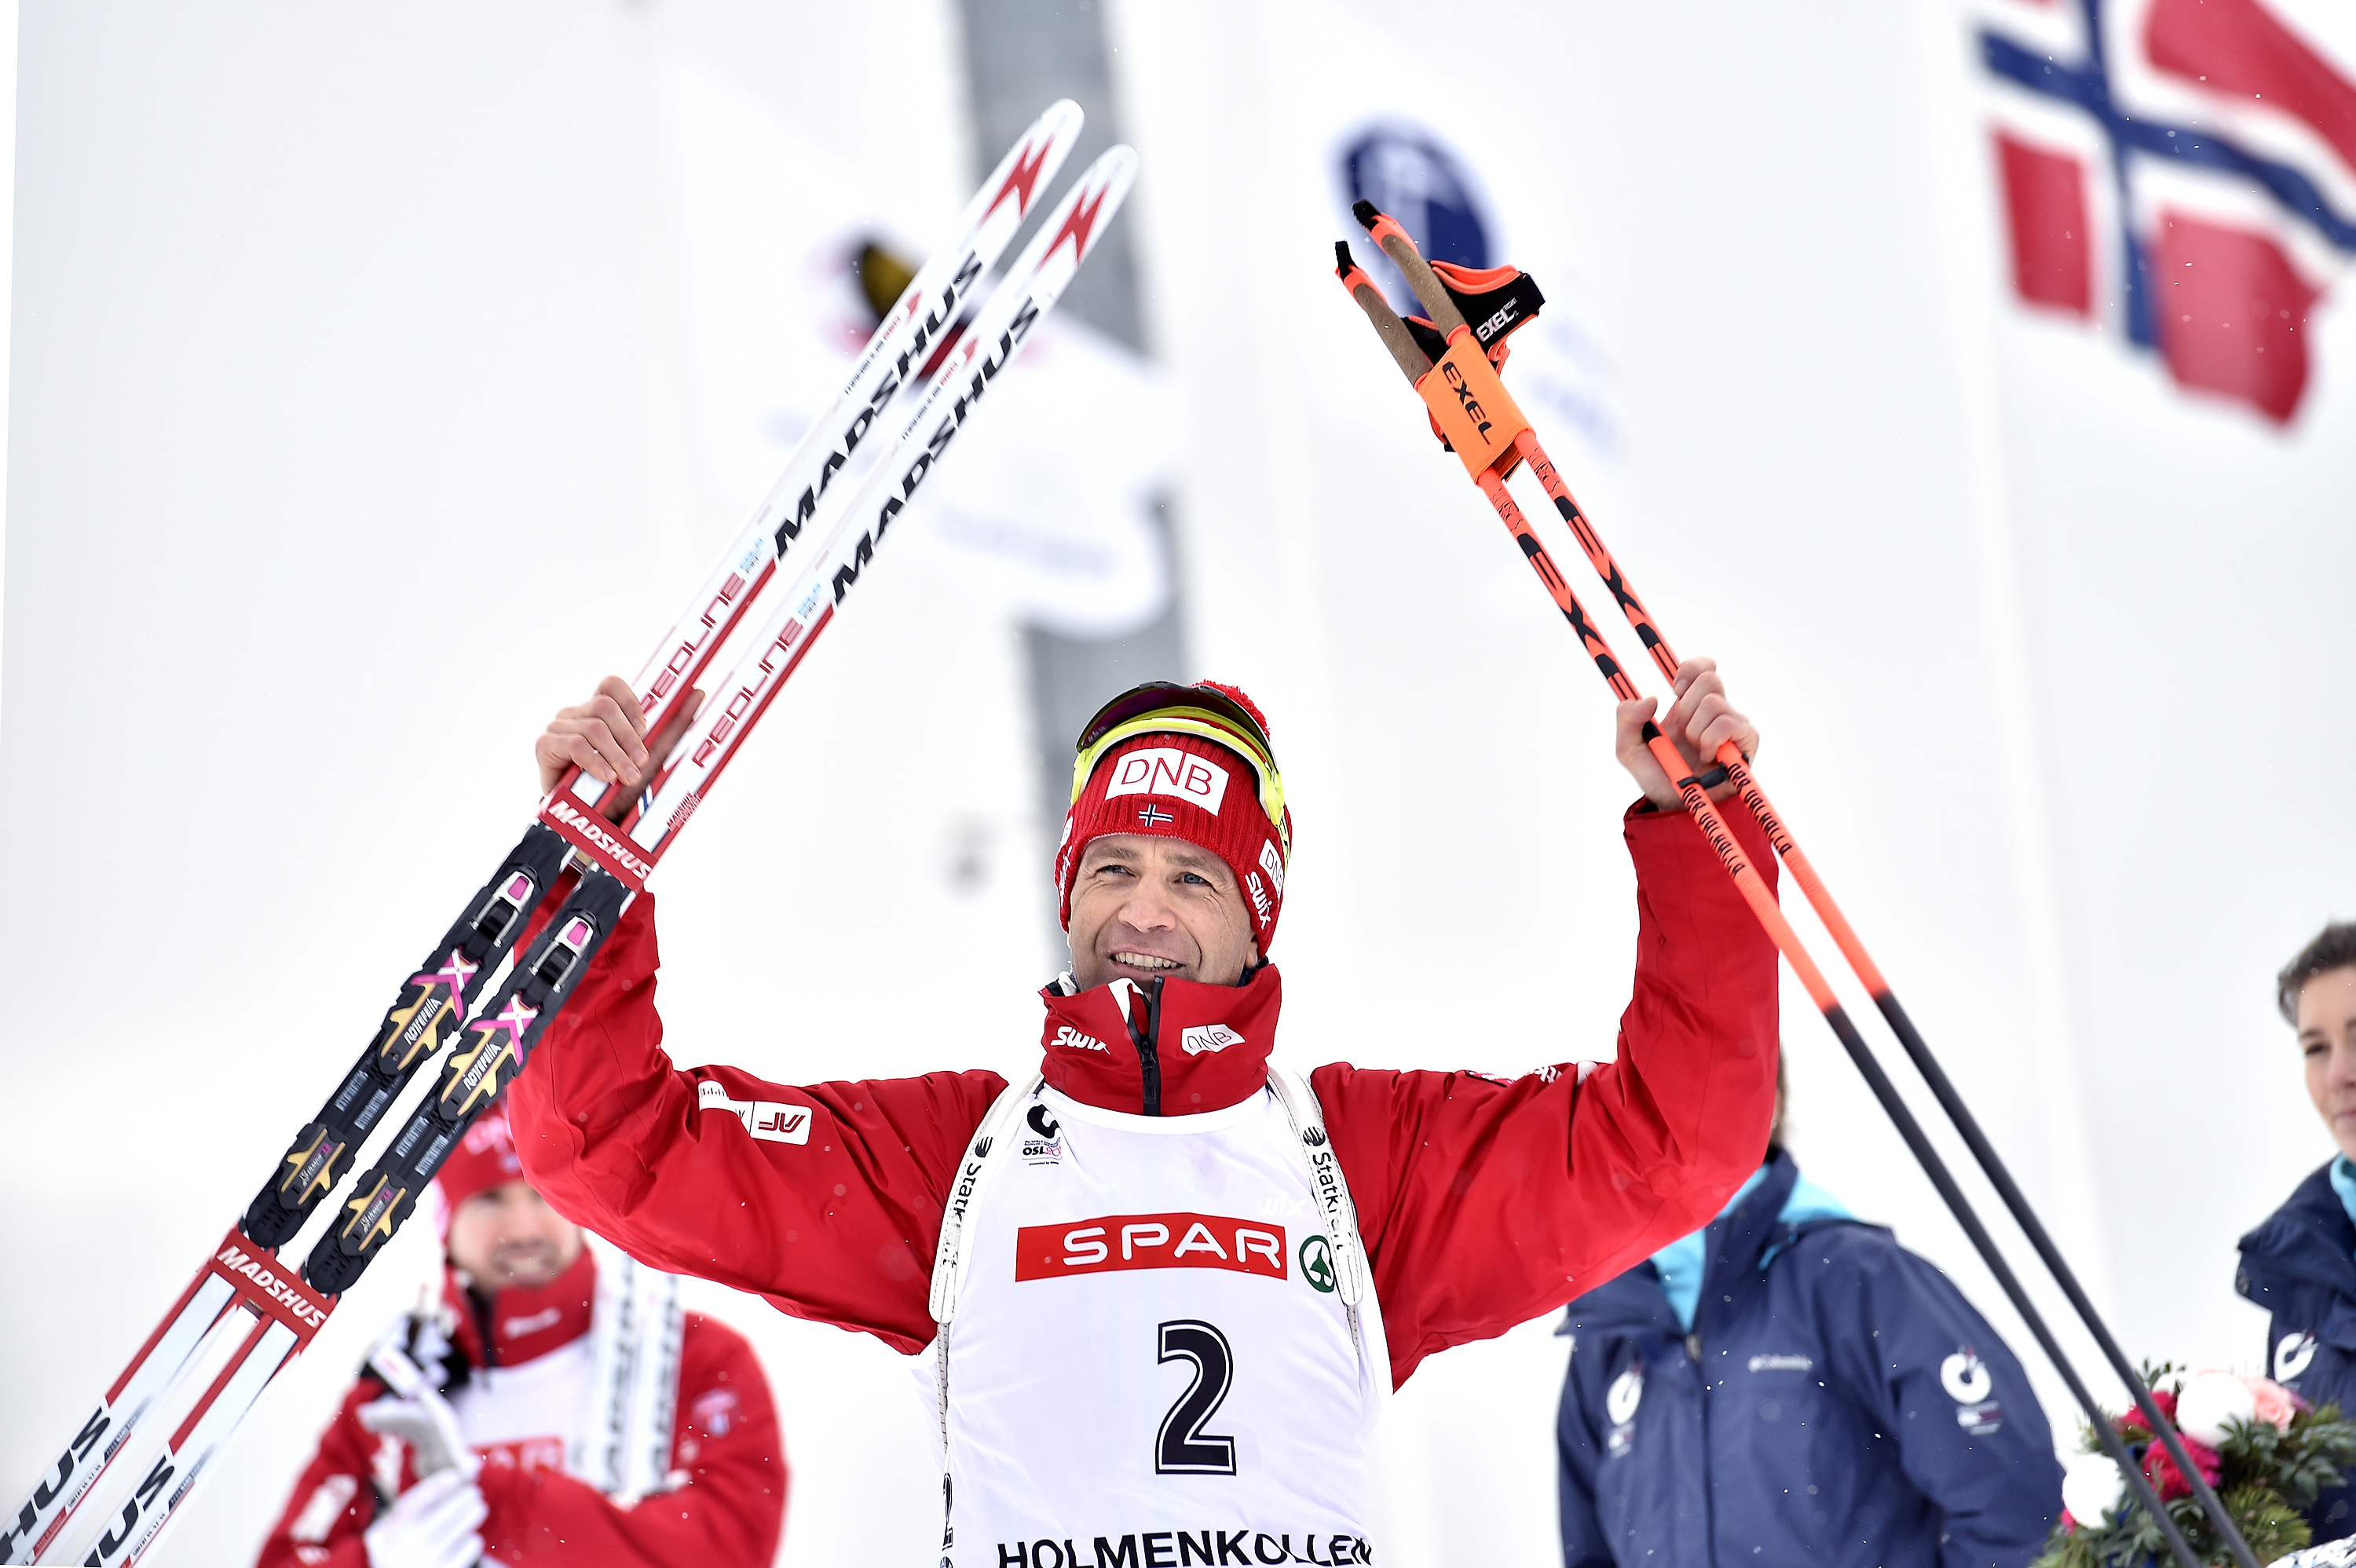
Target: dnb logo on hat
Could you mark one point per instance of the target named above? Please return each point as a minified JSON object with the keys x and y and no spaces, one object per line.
{"x":1166,"y":769}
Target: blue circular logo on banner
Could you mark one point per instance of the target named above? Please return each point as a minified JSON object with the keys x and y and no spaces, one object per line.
{"x":1406,"y":174}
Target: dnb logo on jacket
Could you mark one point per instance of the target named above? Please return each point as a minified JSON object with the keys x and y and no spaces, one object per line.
{"x":1969,"y":1383}
{"x":1209,"y":1038}
{"x":1620,"y":1403}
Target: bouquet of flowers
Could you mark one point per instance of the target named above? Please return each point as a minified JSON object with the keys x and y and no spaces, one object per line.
{"x":2264,"y":1449}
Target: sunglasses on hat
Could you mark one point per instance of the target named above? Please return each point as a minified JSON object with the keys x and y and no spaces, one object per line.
{"x":1163,"y":708}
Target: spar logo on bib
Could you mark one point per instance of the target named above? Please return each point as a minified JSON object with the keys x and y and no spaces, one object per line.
{"x":1112,"y":1244}
{"x":1166,"y":769}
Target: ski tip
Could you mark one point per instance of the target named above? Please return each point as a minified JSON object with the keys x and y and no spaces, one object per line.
{"x":1364,"y":211}
{"x":1118,"y":162}
{"x":1095,"y":197}
{"x":1344,"y":262}
{"x":1063,"y":115}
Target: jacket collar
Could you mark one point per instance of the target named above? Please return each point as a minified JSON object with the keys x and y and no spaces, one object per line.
{"x":524,"y":1322}
{"x":1767,"y":1216}
{"x":1746,"y":1230}
{"x":1782,"y":1208}
{"x":2310,"y":1238}
{"x":1174,"y":1048}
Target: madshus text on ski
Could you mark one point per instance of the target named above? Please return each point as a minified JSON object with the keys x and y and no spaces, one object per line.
{"x":794,"y":561}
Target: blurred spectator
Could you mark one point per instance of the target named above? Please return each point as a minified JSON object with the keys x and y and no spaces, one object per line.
{"x":1788,"y":1386}
{"x":2301,"y":1265}
{"x":486,"y":1466}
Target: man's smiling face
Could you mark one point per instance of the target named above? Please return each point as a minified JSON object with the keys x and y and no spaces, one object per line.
{"x":1146,"y":907}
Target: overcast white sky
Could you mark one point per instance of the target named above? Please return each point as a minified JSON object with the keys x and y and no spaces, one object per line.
{"x":350,"y":435}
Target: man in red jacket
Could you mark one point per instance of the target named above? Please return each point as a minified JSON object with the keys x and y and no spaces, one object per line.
{"x":1162,"y":1289}
{"x":489,"y":1466}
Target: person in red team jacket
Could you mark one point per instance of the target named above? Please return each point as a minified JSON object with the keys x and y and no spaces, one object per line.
{"x":1161,"y":1290}
{"x":478,"y":1470}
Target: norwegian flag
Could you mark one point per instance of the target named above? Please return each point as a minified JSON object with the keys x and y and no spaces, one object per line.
{"x":2181,"y":171}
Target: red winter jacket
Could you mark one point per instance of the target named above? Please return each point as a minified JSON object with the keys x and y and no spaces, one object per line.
{"x":1483,"y":1203}
{"x":730,"y":1510}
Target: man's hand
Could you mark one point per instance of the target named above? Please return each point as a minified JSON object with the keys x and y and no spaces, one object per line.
{"x":1699,"y":721}
{"x":425,"y":1422}
{"x":436,"y":1523}
{"x":606,"y":738}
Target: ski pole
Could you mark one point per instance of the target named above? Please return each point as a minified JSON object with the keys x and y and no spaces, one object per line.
{"x":1401,"y":248}
{"x":1495,"y":413}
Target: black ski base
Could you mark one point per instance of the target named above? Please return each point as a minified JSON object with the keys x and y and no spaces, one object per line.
{"x":492,"y":1048}
{"x":432,"y":1006}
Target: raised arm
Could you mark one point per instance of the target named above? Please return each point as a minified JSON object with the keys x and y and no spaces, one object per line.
{"x":826,"y":1199}
{"x":1486,"y":1203}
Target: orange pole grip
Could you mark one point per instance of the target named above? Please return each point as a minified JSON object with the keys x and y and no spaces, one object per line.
{"x":1482,"y":424}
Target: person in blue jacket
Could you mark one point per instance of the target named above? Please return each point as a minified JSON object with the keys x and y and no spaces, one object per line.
{"x":1789,"y":1386}
{"x":2301,"y":1265}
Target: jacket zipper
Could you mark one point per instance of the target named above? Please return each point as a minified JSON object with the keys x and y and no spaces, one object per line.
{"x":485,"y":1312}
{"x":1149,"y":1049}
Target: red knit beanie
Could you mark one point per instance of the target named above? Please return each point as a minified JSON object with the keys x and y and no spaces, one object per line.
{"x":485,"y":1159}
{"x":1191,"y":762}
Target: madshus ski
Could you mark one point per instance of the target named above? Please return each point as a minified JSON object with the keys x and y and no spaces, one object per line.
{"x":493,"y":1045}
{"x":264,"y":1311}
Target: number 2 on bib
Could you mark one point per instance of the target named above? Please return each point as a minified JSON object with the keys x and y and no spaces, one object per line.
{"x":1183,"y":1447}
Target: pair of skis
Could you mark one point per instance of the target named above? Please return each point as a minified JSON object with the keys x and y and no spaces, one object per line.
{"x":1452,"y":364}
{"x":249,"y":1313}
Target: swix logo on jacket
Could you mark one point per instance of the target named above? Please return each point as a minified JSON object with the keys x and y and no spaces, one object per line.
{"x":1130,"y":1357}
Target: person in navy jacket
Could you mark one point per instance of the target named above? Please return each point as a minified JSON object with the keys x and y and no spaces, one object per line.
{"x":1789,"y":1386}
{"x":2301,"y":1265}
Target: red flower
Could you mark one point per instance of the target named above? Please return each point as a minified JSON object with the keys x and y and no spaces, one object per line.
{"x":2159,"y":1468}
{"x":2069,"y":1525}
{"x":2132,"y":1425}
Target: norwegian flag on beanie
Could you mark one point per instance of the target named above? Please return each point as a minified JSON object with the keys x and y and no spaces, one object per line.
{"x":1176,"y":785}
